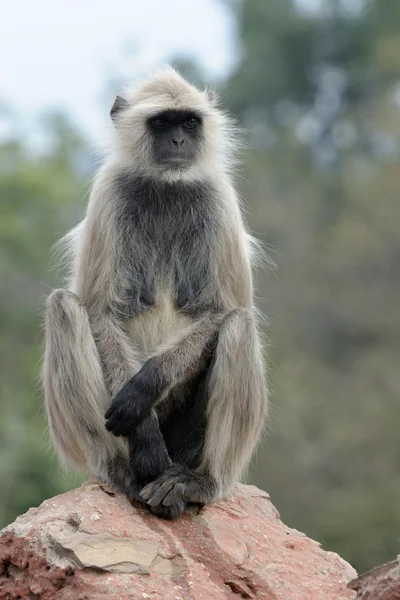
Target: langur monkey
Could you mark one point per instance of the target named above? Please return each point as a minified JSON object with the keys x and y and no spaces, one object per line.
{"x":153,"y":371}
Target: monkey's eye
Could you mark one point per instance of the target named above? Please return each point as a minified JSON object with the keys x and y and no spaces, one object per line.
{"x":191,"y":123}
{"x":159,"y":123}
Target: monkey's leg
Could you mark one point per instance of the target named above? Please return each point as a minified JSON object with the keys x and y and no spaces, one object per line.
{"x":76,"y":395}
{"x":148,"y":455}
{"x":180,"y":360}
{"x":132,"y":414}
{"x":183,"y":424}
{"x":118,"y":355}
{"x":235,"y":411}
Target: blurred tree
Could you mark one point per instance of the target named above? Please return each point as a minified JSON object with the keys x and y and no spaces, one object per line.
{"x":318,"y":93}
{"x":39,"y":199}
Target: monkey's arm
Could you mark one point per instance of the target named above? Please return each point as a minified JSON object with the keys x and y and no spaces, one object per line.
{"x":148,"y":455}
{"x":103,"y":286}
{"x":119,"y":358}
{"x":177,"y":362}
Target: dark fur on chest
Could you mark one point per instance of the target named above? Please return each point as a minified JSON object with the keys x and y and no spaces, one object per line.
{"x":168,"y":233}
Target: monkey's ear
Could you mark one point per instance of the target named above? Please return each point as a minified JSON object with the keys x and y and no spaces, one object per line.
{"x":119,"y":104}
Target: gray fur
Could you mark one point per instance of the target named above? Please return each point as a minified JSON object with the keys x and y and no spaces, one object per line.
{"x":161,"y":278}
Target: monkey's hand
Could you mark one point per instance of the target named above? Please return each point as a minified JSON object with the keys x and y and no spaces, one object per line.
{"x":131,"y":405}
{"x":148,"y":454}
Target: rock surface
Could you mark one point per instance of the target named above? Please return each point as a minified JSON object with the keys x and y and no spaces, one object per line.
{"x":92,"y":544}
{"x":382,"y":583}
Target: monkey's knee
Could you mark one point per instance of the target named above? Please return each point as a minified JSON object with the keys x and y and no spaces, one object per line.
{"x":239,"y":314}
{"x":60,"y":301}
{"x":237,"y":326}
{"x":63,"y":309}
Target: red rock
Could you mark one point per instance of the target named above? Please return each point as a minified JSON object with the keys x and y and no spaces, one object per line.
{"x":89,"y":544}
{"x":382,"y":583}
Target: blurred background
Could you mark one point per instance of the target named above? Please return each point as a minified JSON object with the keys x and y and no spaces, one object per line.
{"x":316,"y":84}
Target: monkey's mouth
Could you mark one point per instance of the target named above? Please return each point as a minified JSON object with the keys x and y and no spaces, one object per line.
{"x":174,"y":162}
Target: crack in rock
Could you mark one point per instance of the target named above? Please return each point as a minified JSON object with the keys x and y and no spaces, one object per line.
{"x":240,"y":587}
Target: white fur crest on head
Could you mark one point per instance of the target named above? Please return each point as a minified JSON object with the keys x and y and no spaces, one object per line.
{"x":166,"y":89}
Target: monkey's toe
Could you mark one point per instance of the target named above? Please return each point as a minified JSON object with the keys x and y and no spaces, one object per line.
{"x":168,"y":512}
{"x":154,"y":492}
{"x":165,"y":497}
{"x":169,"y":495}
{"x":176,"y":493}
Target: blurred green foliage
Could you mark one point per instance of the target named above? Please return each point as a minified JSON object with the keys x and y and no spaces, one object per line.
{"x":319,"y":95}
{"x":38,"y":199}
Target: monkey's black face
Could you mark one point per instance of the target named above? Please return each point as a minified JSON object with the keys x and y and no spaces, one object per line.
{"x":176,"y":137}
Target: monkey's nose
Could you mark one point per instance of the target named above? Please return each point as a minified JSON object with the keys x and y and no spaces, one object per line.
{"x":178,"y":142}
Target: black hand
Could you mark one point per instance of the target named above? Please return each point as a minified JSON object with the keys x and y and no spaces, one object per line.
{"x":131,"y":405}
{"x":148,"y":454}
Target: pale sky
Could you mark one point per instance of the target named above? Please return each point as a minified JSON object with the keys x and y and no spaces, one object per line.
{"x":60,"y":53}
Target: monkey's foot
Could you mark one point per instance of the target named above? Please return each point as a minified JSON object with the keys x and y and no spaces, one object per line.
{"x":168,"y":496}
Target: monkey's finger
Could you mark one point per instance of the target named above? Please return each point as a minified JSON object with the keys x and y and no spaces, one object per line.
{"x":111,"y":410}
{"x":110,"y":423}
{"x":115,"y":433}
{"x":158,"y":494}
{"x":115,"y":426}
{"x":169,"y":512}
